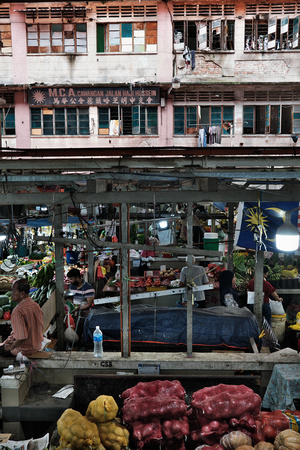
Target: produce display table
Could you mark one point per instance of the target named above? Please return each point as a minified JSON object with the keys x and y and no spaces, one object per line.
{"x":283,"y":387}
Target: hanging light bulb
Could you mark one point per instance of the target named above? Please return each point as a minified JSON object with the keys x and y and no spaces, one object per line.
{"x":287,"y":236}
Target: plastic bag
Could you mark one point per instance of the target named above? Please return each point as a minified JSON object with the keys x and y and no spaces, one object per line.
{"x":70,"y":334}
{"x":276,"y":308}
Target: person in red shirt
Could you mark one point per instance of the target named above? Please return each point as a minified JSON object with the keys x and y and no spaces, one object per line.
{"x":26,"y":322}
{"x":269,"y":291}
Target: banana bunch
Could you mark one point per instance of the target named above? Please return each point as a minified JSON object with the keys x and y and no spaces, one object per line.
{"x":44,"y":276}
{"x":275,"y":273}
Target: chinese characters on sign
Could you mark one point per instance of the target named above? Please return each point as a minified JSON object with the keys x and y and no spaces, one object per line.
{"x":64,"y":96}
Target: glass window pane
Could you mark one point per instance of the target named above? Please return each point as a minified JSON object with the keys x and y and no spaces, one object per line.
{"x":114,"y":34}
{"x":216,"y":115}
{"x":57,"y":40}
{"x":84,"y":121}
{"x":126,"y":30}
{"x":72,"y":121}
{"x":36,"y":118}
{"x":191,"y":119}
{"x":248,"y":119}
{"x":48,"y":121}
{"x":136,"y":119}
{"x":152,"y":120}
{"x":103,"y":114}
{"x":142,"y":120}
{"x":60,"y":121}
{"x":9,"y":126}
{"x":32,"y":39}
{"x":179,"y":120}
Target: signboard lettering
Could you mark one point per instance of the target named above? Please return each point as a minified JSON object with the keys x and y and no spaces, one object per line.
{"x":62,"y":96}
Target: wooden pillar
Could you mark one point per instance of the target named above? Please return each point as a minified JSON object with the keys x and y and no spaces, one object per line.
{"x":189,"y":306}
{"x":230,"y":236}
{"x":258,"y":286}
{"x":125,"y":285}
{"x":59,"y":278}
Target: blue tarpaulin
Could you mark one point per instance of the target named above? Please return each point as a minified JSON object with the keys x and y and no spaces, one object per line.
{"x":216,"y":326}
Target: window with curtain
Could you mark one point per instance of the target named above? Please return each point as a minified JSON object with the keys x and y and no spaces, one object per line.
{"x":59,"y":121}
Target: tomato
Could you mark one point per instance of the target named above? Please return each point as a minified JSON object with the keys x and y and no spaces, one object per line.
{"x":6,"y":315}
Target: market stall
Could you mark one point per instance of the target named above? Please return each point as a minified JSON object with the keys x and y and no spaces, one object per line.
{"x":214,"y":327}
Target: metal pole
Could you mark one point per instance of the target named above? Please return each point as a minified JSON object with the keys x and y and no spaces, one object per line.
{"x":59,"y":278}
{"x":258,"y":286}
{"x":189,"y":306}
{"x":230,"y":236}
{"x":125,"y":289}
{"x":91,"y":278}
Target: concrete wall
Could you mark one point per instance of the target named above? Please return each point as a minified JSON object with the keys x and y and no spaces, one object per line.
{"x":236,"y":70}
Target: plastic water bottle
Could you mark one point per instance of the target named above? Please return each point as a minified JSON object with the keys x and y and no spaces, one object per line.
{"x":98,"y":342}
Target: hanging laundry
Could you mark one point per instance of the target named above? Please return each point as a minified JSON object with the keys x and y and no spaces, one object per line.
{"x":202,"y":138}
{"x":187,"y":56}
{"x":193,"y":58}
{"x":114,"y":129}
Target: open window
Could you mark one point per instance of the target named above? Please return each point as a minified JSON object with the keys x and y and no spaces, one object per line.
{"x":272,"y":34}
{"x":270,"y":119}
{"x":188,"y":119}
{"x":132,"y":120}
{"x":214,"y":35}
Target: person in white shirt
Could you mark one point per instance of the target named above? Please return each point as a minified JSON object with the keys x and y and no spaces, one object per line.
{"x":199,"y":277}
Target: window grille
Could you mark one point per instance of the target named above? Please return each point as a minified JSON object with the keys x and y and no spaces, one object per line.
{"x":4,"y":13}
{"x":196,"y":10}
{"x":8,"y":97}
{"x":274,"y":8}
{"x":110,"y":11}
{"x":274,"y":95}
{"x":67,"y":12}
{"x":200,"y":96}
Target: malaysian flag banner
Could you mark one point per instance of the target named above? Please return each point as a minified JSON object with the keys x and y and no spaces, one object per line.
{"x":263,"y":218}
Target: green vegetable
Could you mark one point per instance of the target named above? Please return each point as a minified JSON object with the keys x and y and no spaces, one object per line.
{"x":1,"y":313}
{"x":6,"y":307}
{"x":4,"y":299}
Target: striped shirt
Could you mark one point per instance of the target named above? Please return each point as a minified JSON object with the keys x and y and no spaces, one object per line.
{"x":27,"y":324}
{"x":81,"y":294}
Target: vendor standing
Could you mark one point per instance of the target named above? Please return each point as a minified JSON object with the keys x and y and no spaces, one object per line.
{"x":269,"y":291}
{"x":26,"y":321}
{"x":199,"y":277}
